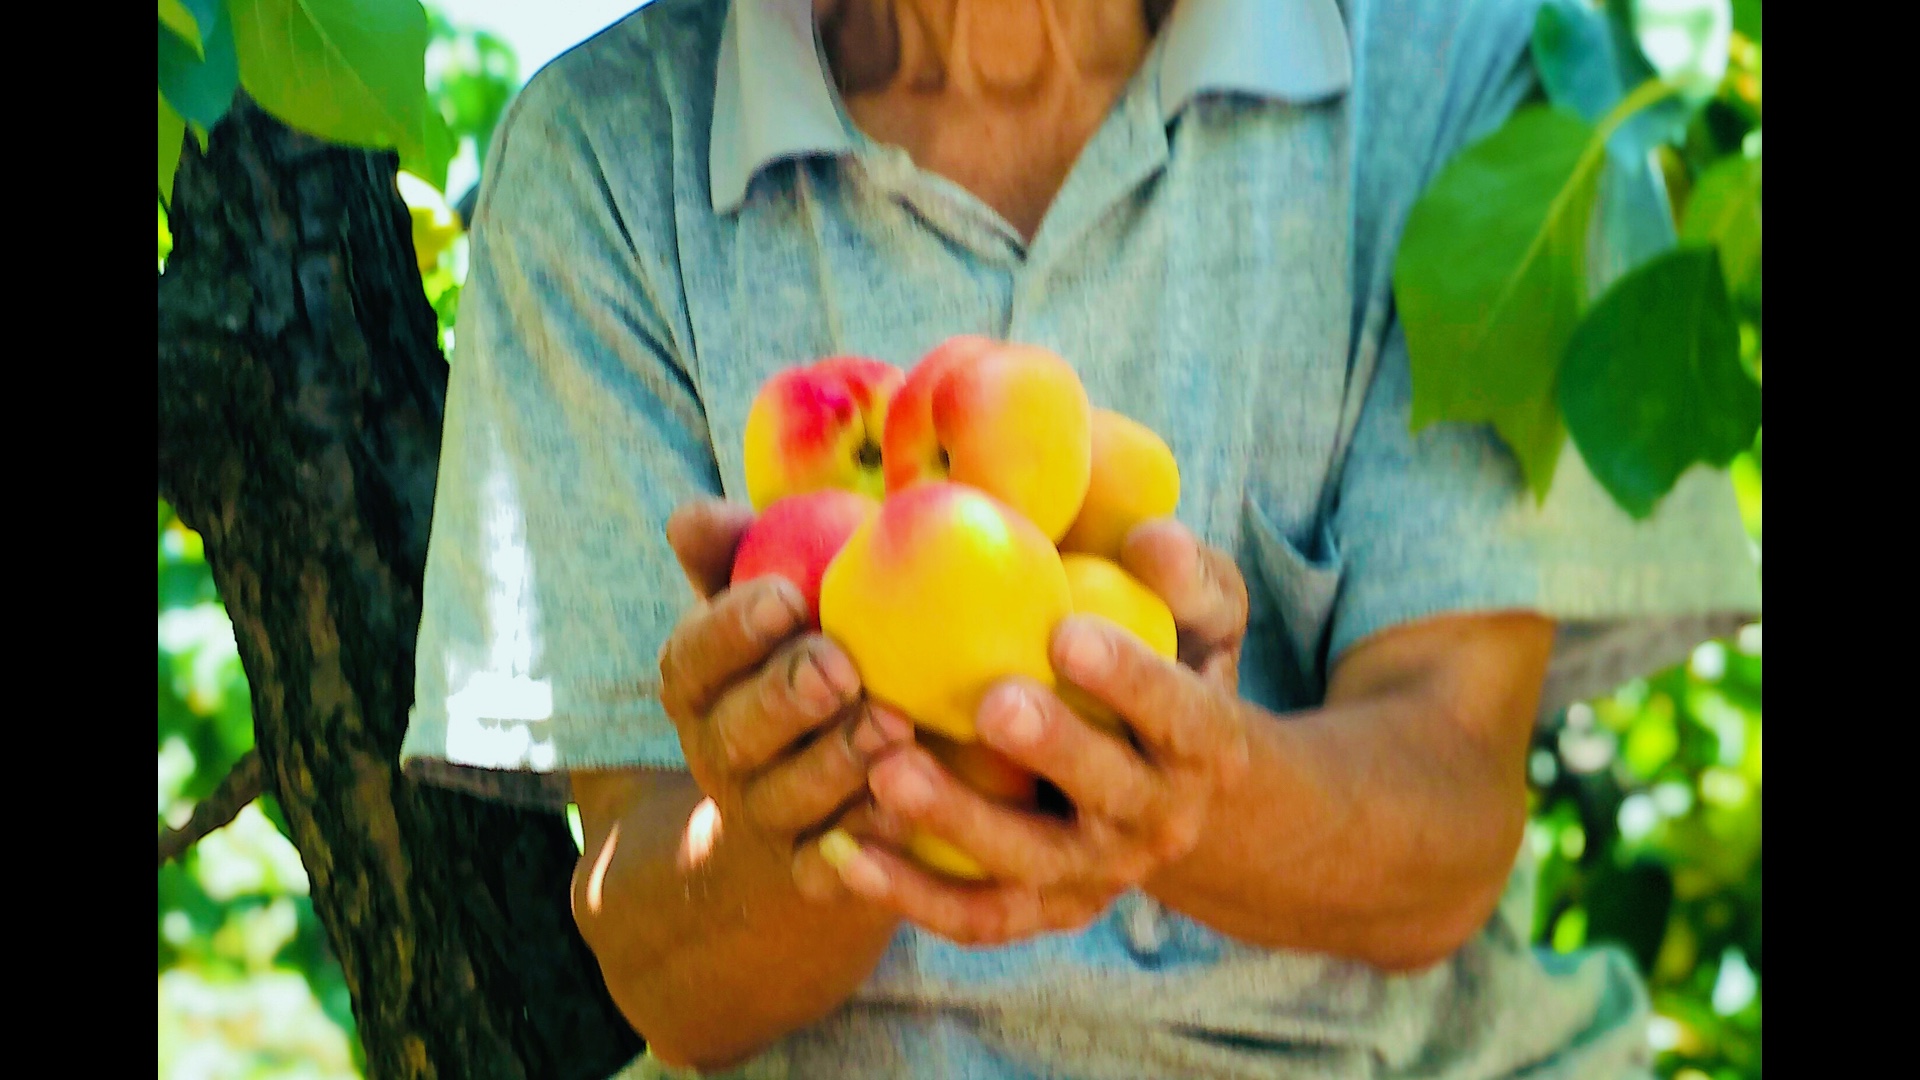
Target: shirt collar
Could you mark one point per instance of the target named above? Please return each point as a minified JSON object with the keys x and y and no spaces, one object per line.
{"x":1289,"y":50}
{"x":773,"y":99}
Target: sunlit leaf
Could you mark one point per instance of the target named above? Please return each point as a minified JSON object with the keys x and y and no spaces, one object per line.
{"x":1651,"y":742}
{"x":471,"y":76}
{"x":1489,"y":282}
{"x":1725,"y":212}
{"x":435,"y":224}
{"x":1588,"y":65}
{"x":199,"y":84}
{"x":175,"y":16}
{"x":1570,"y":932}
{"x":436,"y":150}
{"x":1652,"y":384}
{"x":173,"y":134}
{"x":348,"y":71}
{"x":1664,"y":121}
{"x":1588,"y":61}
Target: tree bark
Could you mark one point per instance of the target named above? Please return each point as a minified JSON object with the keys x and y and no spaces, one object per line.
{"x":301,"y":390}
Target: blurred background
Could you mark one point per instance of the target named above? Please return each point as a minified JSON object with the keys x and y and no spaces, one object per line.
{"x":1646,"y":804}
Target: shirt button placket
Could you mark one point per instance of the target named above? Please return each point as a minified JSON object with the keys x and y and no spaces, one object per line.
{"x":1025,"y":314}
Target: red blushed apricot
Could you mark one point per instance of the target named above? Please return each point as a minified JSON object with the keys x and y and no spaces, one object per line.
{"x":798,"y":536}
{"x":1011,"y":420}
{"x":817,"y":427}
{"x":910,"y":448}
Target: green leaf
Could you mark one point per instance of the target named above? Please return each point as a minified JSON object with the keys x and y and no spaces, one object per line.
{"x":1724,"y":211}
{"x":1573,"y":54}
{"x":348,"y":71}
{"x":204,"y":12}
{"x":175,"y":17}
{"x":1652,"y":382}
{"x":173,"y":132}
{"x":473,"y":83}
{"x":1746,"y":19}
{"x":1586,"y":64}
{"x":1662,"y":121}
{"x":200,"y":85}
{"x":1490,"y":281}
{"x":429,"y":163}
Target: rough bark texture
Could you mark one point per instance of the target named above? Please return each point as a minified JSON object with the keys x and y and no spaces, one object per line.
{"x":301,"y":389}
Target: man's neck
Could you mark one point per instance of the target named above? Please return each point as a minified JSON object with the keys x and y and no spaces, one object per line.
{"x":999,"y":96}
{"x":1010,"y":52}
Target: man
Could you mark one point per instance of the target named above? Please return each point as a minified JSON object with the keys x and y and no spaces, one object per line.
{"x":1307,"y":865}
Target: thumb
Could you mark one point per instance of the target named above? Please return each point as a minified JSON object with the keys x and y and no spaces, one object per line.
{"x":704,"y":535}
{"x":1200,"y":584}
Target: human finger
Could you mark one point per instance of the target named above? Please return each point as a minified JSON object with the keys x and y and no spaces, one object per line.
{"x":1010,"y":844}
{"x":704,"y":536}
{"x":1177,"y":715}
{"x":968,"y":913}
{"x":717,"y":642}
{"x":1098,"y":771}
{"x":799,"y":689}
{"x":815,"y":875}
{"x":799,"y":793}
{"x":1200,"y":584}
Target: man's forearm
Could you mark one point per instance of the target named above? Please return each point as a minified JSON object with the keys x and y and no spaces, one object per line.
{"x":1363,"y":832}
{"x":713,"y":956}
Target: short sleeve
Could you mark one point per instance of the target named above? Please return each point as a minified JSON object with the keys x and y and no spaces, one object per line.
{"x":1440,"y":522}
{"x":571,"y":433}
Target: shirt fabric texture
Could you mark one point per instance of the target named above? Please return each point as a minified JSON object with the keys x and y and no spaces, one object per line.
{"x":680,"y":207}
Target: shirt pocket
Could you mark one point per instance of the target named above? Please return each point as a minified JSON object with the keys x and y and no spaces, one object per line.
{"x":1295,"y":593}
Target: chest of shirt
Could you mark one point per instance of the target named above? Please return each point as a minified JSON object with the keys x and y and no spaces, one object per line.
{"x":1200,"y":285}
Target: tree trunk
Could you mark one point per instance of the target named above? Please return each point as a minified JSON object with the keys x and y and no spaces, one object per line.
{"x":301,"y":389}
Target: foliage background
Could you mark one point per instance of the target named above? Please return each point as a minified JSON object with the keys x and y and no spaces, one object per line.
{"x":1646,"y":804}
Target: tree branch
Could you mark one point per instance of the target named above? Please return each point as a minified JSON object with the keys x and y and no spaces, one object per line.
{"x":240,"y":786}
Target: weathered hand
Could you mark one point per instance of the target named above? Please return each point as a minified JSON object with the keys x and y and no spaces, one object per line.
{"x":772,"y":722}
{"x":1203,"y":588}
{"x":1138,"y":804}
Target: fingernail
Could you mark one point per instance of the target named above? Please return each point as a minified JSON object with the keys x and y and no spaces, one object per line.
{"x":1088,"y":652}
{"x":906,"y":787}
{"x":837,"y":847}
{"x":838,"y":671}
{"x":888,"y":824}
{"x":868,"y":739}
{"x":772,"y":614}
{"x":891,"y":725}
{"x":878,"y":729}
{"x":813,"y":685}
{"x":860,"y":873}
{"x":1017,"y":719}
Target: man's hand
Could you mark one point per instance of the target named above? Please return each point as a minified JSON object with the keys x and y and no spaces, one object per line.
{"x":773,"y":725}
{"x":1382,"y":829}
{"x":1139,"y":804}
{"x":690,"y":891}
{"x":1204,"y":590}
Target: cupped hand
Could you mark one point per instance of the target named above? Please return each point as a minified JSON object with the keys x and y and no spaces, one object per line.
{"x":771,"y":720}
{"x":1138,"y":803}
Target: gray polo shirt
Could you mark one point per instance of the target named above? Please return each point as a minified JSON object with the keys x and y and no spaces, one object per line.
{"x":680,"y":207}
